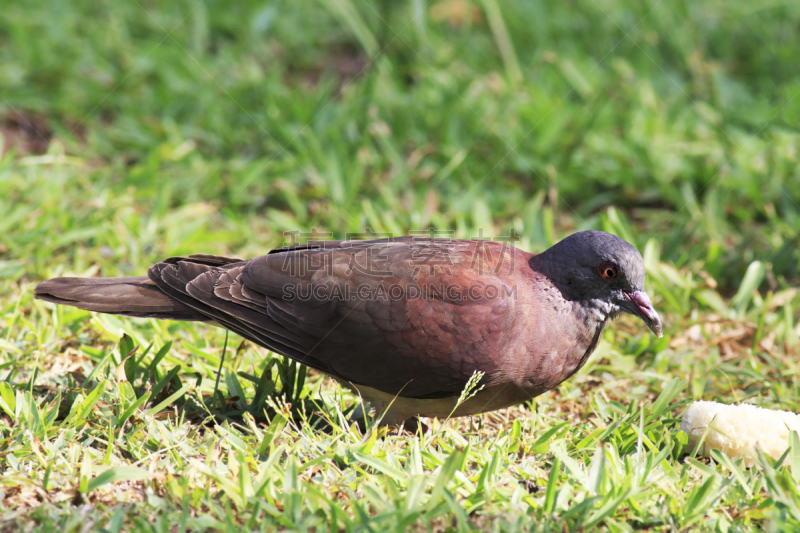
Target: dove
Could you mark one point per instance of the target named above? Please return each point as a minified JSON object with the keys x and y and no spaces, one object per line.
{"x":405,"y":322}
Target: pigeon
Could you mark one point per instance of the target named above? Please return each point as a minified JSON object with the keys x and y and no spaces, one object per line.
{"x":407,"y":322}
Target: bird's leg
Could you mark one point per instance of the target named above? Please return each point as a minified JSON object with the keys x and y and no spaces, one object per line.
{"x":413,"y":424}
{"x":359,"y":416}
{"x":387,"y":414}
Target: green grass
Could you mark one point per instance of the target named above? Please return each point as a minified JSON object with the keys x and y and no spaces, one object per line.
{"x":134,"y":131}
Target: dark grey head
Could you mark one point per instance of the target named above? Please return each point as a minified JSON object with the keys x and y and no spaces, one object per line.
{"x":602,"y":270}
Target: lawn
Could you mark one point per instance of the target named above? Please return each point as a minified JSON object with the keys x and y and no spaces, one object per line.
{"x":135,"y":131}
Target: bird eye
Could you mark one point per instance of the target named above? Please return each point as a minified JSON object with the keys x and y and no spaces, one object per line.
{"x":608,"y":270}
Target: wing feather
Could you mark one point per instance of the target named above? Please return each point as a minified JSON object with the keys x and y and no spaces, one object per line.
{"x":426,"y":347}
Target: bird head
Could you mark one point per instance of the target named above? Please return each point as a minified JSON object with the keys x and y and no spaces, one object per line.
{"x":604,"y":271}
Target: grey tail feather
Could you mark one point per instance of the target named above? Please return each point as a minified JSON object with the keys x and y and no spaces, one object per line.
{"x":135,"y":296}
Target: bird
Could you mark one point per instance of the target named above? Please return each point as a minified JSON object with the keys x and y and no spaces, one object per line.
{"x":405,"y":322}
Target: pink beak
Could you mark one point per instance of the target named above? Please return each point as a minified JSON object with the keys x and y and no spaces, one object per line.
{"x":644,"y":310}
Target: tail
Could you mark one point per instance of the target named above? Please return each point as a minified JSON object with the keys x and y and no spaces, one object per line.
{"x":137,"y":297}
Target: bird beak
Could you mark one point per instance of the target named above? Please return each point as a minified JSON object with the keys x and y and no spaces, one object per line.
{"x":639,"y":305}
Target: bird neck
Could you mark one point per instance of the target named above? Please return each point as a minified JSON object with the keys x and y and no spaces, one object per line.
{"x":558,"y":273}
{"x":597,"y":310}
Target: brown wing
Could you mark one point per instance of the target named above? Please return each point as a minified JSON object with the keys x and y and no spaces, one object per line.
{"x":395,"y":315}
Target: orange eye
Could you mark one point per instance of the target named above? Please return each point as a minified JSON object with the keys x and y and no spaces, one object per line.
{"x":608,"y":270}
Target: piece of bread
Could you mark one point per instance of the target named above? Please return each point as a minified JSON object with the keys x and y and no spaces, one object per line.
{"x":738,"y":430}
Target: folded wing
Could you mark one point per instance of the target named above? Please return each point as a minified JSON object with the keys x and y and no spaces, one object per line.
{"x":401,"y":315}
